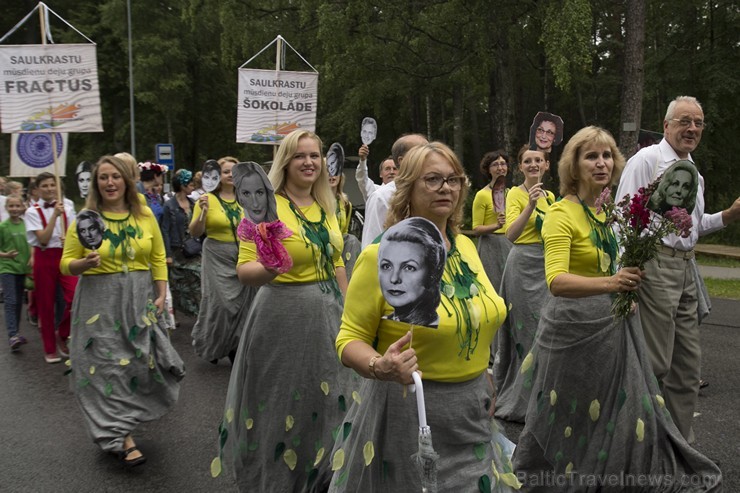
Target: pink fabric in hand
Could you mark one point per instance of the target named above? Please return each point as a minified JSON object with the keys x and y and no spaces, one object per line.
{"x":266,"y":236}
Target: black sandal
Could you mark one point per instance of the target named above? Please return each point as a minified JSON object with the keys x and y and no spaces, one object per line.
{"x":133,"y":462}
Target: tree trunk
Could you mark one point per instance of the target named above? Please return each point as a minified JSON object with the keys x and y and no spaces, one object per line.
{"x":633,"y":77}
{"x":457,"y":118}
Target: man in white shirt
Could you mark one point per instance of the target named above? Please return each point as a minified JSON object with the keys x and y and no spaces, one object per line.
{"x":668,"y":298}
{"x":376,"y":207}
{"x":46,"y":225}
{"x":388,"y":172}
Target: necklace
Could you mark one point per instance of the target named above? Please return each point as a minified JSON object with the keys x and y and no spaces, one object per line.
{"x":603,"y":238}
{"x":458,"y":293}
{"x":120,"y":239}
{"x":233,"y":213}
{"x":316,"y":236}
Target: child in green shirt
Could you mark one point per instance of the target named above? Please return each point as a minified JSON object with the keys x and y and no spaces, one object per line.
{"x":15,"y":256}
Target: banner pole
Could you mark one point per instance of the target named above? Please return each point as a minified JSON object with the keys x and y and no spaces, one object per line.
{"x":60,"y":198}
{"x":278,"y":67}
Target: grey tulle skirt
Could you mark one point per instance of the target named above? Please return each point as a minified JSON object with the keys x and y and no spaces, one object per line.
{"x":288,"y":391}
{"x":124,"y":368}
{"x":224,"y":303}
{"x":596,"y":413}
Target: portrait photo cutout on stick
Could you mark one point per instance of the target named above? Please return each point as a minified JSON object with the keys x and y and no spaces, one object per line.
{"x":546,"y":131}
{"x":335,"y":159}
{"x":411,"y":261}
{"x":90,"y":229}
{"x":254,"y":192}
{"x":677,"y":188}
{"x":83,"y":175}
{"x":368,"y":130}
{"x":211,"y":175}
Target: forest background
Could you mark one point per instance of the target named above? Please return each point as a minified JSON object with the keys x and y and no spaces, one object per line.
{"x":471,"y":73}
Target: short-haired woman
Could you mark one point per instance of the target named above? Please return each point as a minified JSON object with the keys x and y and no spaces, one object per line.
{"x":596,"y":409}
{"x":124,"y":368}
{"x":489,"y":215}
{"x":380,"y":432}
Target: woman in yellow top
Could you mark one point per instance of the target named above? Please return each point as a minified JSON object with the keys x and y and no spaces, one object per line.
{"x":352,"y":245}
{"x":288,"y":393}
{"x":598,"y":411}
{"x":124,"y":368}
{"x":225,"y":302}
{"x":489,"y":215}
{"x":523,"y":285}
{"x":380,"y":430}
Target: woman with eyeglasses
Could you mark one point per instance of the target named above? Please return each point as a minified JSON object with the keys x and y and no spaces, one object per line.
{"x":183,"y":263}
{"x":489,"y":215}
{"x":380,"y":432}
{"x":523,"y":285}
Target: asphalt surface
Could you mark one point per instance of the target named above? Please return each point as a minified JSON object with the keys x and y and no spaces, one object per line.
{"x":45,"y":447}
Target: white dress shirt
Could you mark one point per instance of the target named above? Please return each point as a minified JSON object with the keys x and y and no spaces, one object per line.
{"x":376,"y":210}
{"x":644,"y":167}
{"x":366,"y":185}
{"x":33,"y":223}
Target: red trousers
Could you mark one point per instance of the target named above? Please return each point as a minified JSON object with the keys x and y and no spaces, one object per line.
{"x":46,"y":277}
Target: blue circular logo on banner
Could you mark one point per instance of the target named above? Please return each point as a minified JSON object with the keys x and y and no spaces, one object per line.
{"x":35,"y":149}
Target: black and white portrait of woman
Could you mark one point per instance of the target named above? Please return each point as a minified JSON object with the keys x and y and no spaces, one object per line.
{"x":254,"y":192}
{"x":211,"y":175}
{"x":335,"y":159}
{"x":545,"y":132}
{"x":83,"y":175}
{"x":677,"y":188}
{"x":411,"y":261}
{"x":90,"y":229}
{"x":368,"y":130}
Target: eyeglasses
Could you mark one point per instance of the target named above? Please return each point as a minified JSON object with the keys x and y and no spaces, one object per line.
{"x":549,"y":133}
{"x":498,"y":165}
{"x":686,"y":122}
{"x":434,"y":183}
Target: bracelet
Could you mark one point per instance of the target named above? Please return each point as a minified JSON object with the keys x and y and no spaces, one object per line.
{"x":371,"y":366}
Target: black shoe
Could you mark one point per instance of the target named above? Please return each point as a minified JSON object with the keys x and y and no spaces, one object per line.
{"x":703,"y":383}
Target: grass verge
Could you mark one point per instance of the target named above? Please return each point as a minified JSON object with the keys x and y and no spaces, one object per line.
{"x":723,"y":288}
{"x":716,"y":261}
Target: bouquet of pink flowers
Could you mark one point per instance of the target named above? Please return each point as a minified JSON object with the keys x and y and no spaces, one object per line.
{"x":640,"y":232}
{"x":266,"y":236}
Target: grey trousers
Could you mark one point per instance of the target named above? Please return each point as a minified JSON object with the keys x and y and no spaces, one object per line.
{"x":668,"y":312}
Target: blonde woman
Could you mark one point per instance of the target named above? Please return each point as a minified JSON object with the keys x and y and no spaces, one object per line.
{"x":124,"y":368}
{"x":287,"y":390}
{"x":380,"y":431}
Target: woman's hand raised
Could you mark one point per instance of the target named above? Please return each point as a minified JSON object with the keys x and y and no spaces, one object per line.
{"x":397,"y":364}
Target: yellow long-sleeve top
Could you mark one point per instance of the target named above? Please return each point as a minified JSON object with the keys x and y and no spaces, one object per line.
{"x":218,"y":226}
{"x":516,"y":202}
{"x":568,"y":245}
{"x":344,"y":212}
{"x":300,"y":249}
{"x":484,"y":212}
{"x":144,"y":239}
{"x":438,"y":350}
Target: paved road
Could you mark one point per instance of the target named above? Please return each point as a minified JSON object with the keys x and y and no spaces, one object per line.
{"x":719,"y":272}
{"x":45,"y":447}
